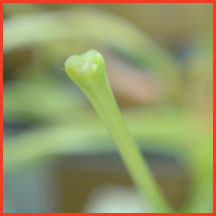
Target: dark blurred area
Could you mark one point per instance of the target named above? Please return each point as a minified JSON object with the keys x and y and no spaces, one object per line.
{"x":58,"y":157}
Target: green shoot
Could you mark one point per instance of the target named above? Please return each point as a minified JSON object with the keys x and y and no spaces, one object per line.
{"x":89,"y":73}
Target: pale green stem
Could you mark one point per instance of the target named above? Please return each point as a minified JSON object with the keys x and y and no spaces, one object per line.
{"x":88,"y":72}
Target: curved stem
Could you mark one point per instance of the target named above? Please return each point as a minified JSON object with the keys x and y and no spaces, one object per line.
{"x":88,"y":72}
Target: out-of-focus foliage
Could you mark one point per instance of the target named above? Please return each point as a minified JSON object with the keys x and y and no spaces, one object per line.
{"x":159,"y":61}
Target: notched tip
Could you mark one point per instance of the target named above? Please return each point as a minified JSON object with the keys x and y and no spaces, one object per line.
{"x":85,"y":63}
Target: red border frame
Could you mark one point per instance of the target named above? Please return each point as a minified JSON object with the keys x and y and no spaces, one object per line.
{"x":105,"y":1}
{"x":110,"y":1}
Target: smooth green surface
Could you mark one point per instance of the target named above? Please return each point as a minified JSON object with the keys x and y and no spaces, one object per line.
{"x":88,"y":72}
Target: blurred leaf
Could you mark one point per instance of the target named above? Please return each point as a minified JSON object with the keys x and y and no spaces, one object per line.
{"x":96,"y":27}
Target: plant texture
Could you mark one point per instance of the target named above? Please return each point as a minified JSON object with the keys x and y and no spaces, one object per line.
{"x":89,"y":73}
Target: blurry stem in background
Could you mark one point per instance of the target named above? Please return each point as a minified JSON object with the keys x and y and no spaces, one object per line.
{"x":200,"y":163}
{"x":89,"y":73}
{"x":79,"y":138}
{"x":47,"y":31}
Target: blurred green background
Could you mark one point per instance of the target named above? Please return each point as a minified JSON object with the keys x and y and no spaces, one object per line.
{"x":58,"y":157}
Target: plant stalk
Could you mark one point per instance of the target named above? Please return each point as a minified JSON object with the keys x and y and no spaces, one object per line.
{"x":88,"y":72}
